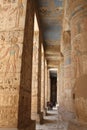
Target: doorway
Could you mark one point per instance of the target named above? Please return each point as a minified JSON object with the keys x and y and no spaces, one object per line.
{"x":53,"y":87}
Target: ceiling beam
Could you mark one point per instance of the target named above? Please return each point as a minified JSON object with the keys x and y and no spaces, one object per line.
{"x":52,"y":49}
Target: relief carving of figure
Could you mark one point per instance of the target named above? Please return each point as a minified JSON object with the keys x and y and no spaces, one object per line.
{"x":12,"y":53}
{"x":18,"y":11}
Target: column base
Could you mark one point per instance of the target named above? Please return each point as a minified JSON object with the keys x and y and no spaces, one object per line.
{"x":41,"y":118}
{"x":45,"y":112}
{"x":31,"y":126}
{"x":36,"y":117}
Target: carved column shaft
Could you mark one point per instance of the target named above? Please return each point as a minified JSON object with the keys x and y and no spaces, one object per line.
{"x":46,"y":84}
{"x":24,"y":116}
{"x":35,"y":67}
{"x":67,"y":71}
{"x":61,"y":83}
{"x":42,"y":80}
{"x":78,"y":23}
{"x":16,"y":40}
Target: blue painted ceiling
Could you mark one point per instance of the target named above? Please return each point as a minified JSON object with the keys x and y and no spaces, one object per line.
{"x":51,"y":16}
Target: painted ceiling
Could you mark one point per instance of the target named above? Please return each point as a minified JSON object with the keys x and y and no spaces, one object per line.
{"x":51,"y":16}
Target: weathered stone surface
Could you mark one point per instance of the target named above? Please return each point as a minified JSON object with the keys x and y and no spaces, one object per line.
{"x":12,"y":23}
{"x":65,"y":114}
{"x":24,"y":114}
{"x":42,"y":79}
{"x":76,"y":126}
{"x":78,"y":20}
{"x":49,"y":122}
{"x":35,"y":67}
{"x":61,"y":95}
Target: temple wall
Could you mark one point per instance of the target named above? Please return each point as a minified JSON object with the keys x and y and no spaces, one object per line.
{"x":15,"y":70}
{"x":12,"y":23}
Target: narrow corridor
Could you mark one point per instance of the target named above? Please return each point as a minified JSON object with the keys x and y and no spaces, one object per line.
{"x":60,"y":120}
{"x":52,"y":122}
{"x":43,"y":64}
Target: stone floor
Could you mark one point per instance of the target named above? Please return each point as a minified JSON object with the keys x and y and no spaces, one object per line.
{"x":52,"y":122}
{"x":60,"y":120}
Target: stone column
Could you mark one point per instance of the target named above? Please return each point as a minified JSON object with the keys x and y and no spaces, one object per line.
{"x":15,"y":97}
{"x":61,"y":83}
{"x":42,"y":80}
{"x":39,"y":75}
{"x":35,"y":67}
{"x":48,"y":84}
{"x":58,"y":84}
{"x":78,"y":23}
{"x":67,"y":72}
{"x":24,"y":114}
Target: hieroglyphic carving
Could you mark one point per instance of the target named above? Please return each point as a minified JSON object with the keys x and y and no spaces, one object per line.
{"x":12,"y":13}
{"x":13,"y":53}
{"x":12,"y":19}
{"x":10,"y":51}
{"x":78,"y":13}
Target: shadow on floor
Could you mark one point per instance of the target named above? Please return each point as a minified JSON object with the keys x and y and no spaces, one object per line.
{"x":46,"y":121}
{"x":50,"y":114}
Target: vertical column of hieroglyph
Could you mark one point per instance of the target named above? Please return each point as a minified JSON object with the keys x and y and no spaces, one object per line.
{"x":78,"y":21}
{"x":46,"y":85}
{"x":42,"y":79}
{"x":35,"y":61}
{"x":12,"y":21}
{"x":24,"y":117}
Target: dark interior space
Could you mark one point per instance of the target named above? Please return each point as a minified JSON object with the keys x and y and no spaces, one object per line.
{"x":53,"y":80}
